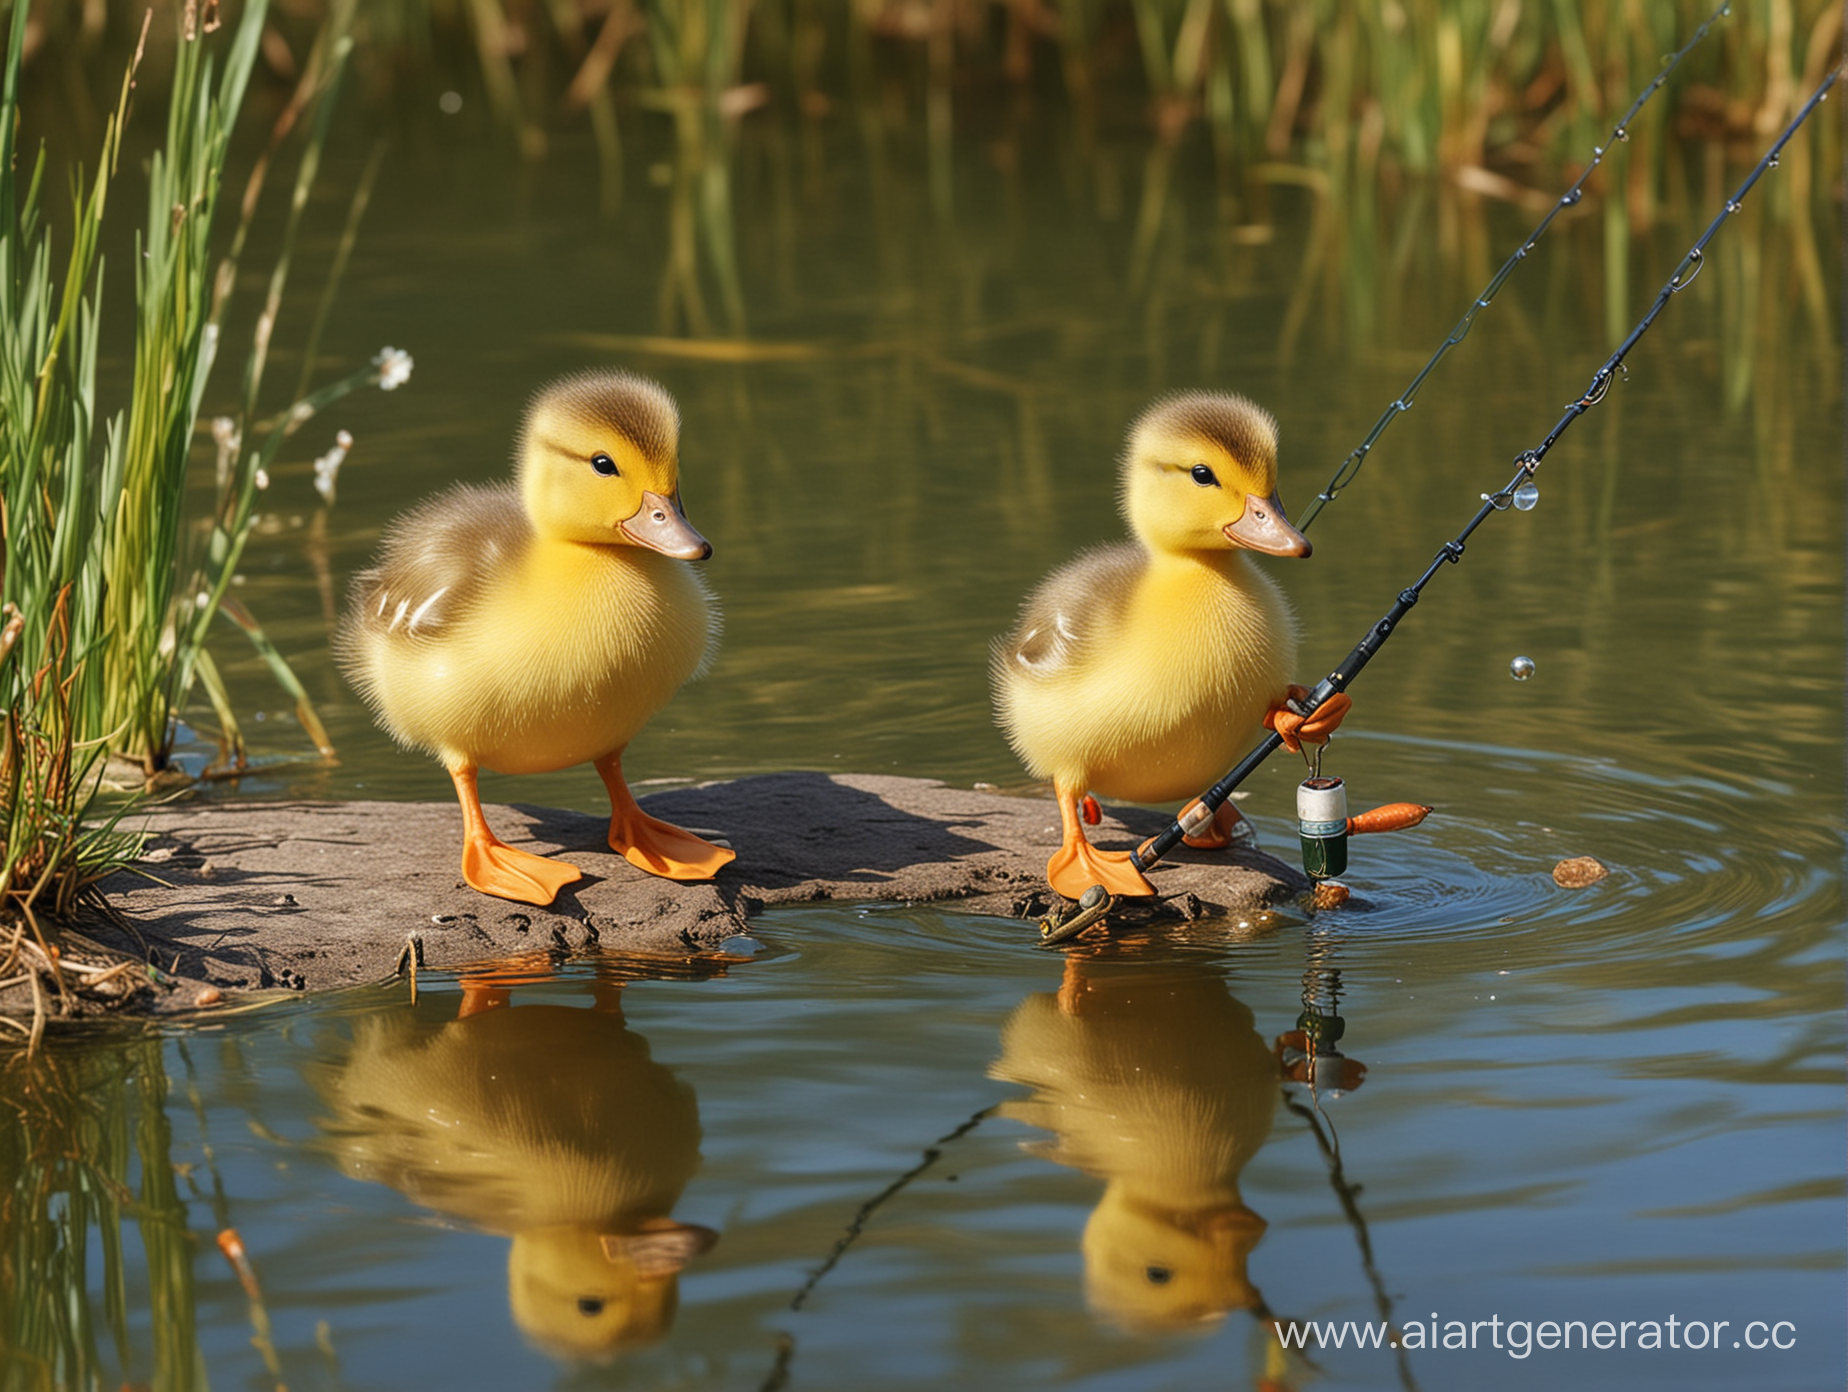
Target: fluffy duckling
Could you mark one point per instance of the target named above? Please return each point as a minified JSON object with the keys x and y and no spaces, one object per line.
{"x":536,"y":625}
{"x":1143,"y":669}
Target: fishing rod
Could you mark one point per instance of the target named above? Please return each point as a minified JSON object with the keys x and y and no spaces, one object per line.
{"x":1344,"y":474}
{"x":1519,"y":492}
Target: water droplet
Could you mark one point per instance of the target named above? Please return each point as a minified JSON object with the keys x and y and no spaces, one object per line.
{"x":1521,"y":668}
{"x":1772,"y":162}
{"x":1526,"y":496}
{"x":1622,"y":133}
{"x":1733,"y":205}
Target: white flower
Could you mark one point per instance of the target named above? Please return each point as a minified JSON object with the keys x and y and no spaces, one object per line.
{"x":327,"y":467}
{"x":394,"y":365}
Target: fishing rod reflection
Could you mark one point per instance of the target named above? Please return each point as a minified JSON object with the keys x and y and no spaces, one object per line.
{"x":1153,"y":1077}
{"x":549,"y":1124}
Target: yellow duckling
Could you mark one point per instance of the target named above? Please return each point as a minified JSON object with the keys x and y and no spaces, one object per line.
{"x":1143,"y":669}
{"x":532,"y":626}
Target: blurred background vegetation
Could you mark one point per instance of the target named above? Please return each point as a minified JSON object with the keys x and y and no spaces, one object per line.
{"x":1364,"y":102}
{"x":1393,"y":89}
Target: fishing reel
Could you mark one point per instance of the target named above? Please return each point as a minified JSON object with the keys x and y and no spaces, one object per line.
{"x":1323,"y":825}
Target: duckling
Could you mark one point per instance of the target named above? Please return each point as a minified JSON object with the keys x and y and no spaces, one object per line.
{"x":1143,"y":669}
{"x":533,"y":626}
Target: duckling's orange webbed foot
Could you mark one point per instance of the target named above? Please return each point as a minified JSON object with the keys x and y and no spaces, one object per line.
{"x":650,"y":844}
{"x":661,"y":848}
{"x":1075,"y":867}
{"x":1077,"y":864}
{"x":492,"y":866}
{"x":1315,"y":728}
{"x":1228,"y":828}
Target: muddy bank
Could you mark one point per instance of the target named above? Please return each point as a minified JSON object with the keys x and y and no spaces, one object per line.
{"x":310,"y":896}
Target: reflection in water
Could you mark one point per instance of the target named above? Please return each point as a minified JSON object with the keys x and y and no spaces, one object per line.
{"x":1310,"y":1056}
{"x":91,"y":1185}
{"x":1155,"y":1080}
{"x":549,"y":1124}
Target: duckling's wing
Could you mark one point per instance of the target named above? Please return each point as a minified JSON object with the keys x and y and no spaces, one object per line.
{"x":1072,"y":613}
{"x":436,"y":560}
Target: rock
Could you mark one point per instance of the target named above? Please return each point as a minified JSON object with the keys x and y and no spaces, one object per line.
{"x":312,"y":896}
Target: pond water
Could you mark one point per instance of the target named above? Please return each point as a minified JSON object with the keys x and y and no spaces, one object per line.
{"x":891,"y":1146}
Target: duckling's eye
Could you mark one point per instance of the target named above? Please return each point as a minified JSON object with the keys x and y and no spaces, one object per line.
{"x":1161,"y":1275}
{"x":604,"y":465}
{"x":1205,"y":477}
{"x":589,"y":1304}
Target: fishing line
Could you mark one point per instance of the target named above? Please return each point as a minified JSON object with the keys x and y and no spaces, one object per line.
{"x":778,"y":1377}
{"x":1349,"y":467}
{"x":1519,"y":492}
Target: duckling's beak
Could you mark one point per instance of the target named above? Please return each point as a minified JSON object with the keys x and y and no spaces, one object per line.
{"x":1263,"y":527}
{"x":660,"y":525}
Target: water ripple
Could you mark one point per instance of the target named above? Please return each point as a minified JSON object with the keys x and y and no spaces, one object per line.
{"x":1698,"y":864}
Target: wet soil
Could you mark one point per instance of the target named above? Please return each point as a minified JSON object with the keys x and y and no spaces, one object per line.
{"x":239,"y":896}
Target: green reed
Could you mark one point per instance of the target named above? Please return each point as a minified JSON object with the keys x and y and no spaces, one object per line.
{"x":175,"y":347}
{"x":57,"y":483}
{"x":110,"y":585}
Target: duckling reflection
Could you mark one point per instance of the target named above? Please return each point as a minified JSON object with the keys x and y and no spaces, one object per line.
{"x":549,"y":1124}
{"x":1156,"y":1080}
